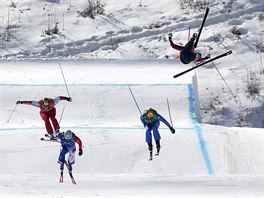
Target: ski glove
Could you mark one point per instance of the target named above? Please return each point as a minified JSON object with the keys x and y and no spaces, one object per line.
{"x":80,"y":152}
{"x":170,"y":36}
{"x":172,"y":130}
{"x":69,"y":99}
{"x":19,"y":102}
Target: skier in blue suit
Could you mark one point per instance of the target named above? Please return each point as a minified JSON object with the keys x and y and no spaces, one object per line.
{"x":68,"y":140}
{"x":151,"y":121}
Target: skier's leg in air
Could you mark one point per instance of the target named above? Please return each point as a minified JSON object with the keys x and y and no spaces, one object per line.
{"x":150,"y":147}
{"x":71,"y":158}
{"x":63,"y":152}
{"x":61,"y":167}
{"x":54,"y":121}
{"x":157,"y":137}
{"x":158,"y":146}
{"x":47,"y":122}
{"x":149,"y":141}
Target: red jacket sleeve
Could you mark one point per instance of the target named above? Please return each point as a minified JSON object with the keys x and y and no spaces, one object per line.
{"x":177,"y":47}
{"x":78,"y":141}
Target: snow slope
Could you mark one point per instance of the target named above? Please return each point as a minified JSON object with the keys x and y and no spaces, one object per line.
{"x":104,"y":116}
{"x":122,"y":33}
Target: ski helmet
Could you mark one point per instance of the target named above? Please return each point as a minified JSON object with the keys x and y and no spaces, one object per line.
{"x":46,"y":102}
{"x":150,"y":113}
{"x":68,"y":134}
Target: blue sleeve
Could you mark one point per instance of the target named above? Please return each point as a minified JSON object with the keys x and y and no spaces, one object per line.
{"x":160,"y":118}
{"x":142,"y":119}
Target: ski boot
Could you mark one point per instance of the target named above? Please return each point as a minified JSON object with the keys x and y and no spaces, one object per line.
{"x":158,"y":147}
{"x":52,"y":137}
{"x":194,"y":36}
{"x":208,"y":56}
{"x":150,"y":156}
{"x":150,"y":147}
{"x":61,"y":167}
{"x":69,"y":166}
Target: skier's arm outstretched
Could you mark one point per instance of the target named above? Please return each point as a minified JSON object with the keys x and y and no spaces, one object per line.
{"x":33,"y":103}
{"x":38,"y":104}
{"x":160,"y":118}
{"x":59,"y":98}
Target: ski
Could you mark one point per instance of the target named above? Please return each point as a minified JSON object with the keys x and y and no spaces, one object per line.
{"x":201,"y":27}
{"x":50,"y":136}
{"x":70,"y":173}
{"x":195,"y":67}
{"x":72,"y":178}
{"x":49,"y":140}
{"x":47,"y":135}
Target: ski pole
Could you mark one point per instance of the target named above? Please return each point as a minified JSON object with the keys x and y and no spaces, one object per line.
{"x":12,"y":113}
{"x":225,"y":82}
{"x":61,"y":115}
{"x":64,"y":80}
{"x":189,"y":35}
{"x":134,"y":99}
{"x":169,"y":111}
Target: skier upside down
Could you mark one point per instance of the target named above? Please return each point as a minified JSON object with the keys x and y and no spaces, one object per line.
{"x":187,"y":53}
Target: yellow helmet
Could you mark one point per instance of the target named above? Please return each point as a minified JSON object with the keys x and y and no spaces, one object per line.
{"x":46,"y":102}
{"x":150,"y":113}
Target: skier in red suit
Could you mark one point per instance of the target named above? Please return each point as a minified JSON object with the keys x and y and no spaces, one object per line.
{"x":187,"y":53}
{"x":47,"y":111}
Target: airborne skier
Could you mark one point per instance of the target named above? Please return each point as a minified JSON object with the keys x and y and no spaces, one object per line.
{"x":151,"y":121}
{"x":47,"y":111}
{"x":187,"y":53}
{"x":68,"y":140}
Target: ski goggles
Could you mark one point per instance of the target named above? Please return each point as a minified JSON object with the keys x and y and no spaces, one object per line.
{"x":46,"y":103}
{"x":150,"y":114}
